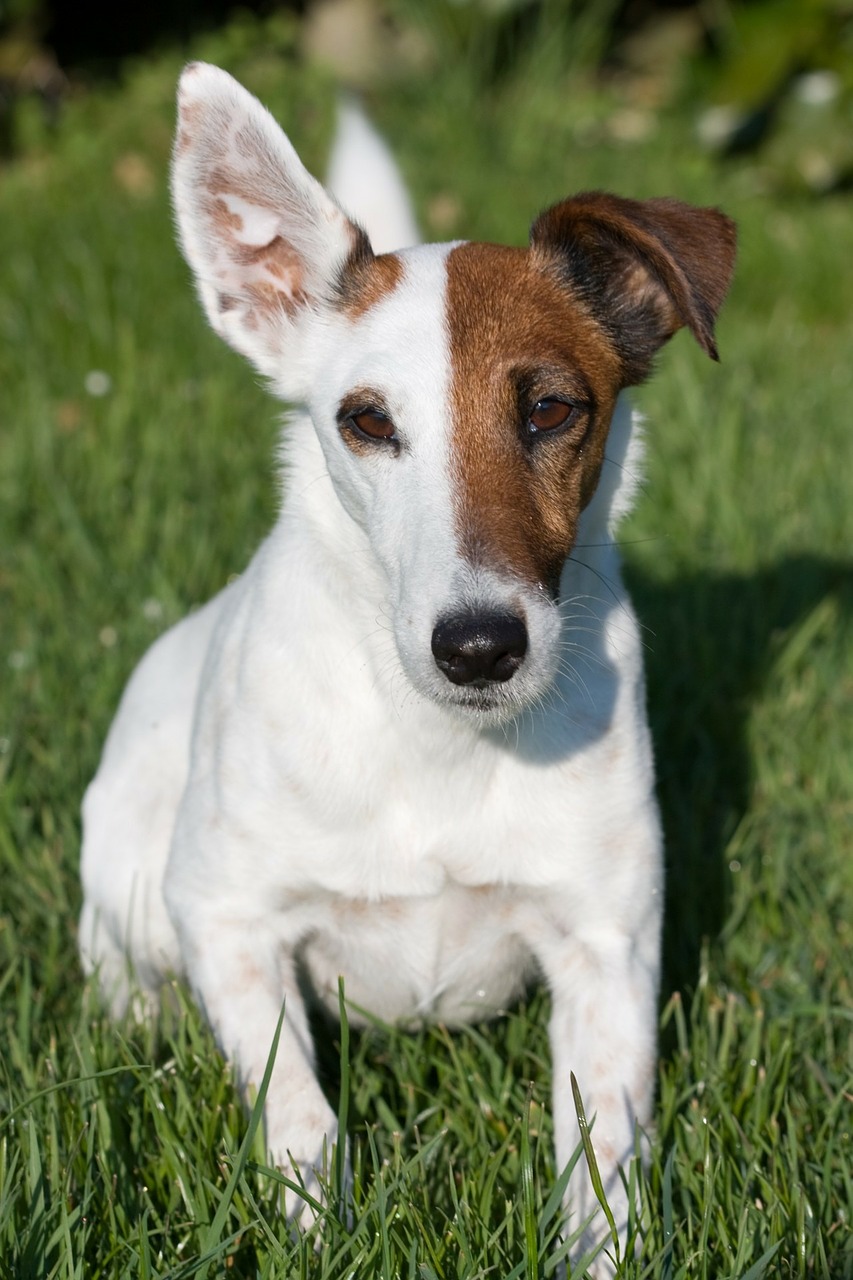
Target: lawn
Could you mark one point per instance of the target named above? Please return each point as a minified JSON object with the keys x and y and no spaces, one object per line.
{"x":136,"y":475}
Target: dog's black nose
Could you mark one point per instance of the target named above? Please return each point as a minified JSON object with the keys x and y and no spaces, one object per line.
{"x":479,"y":648}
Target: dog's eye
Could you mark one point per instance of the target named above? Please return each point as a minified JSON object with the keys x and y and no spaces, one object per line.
{"x":549,"y":414}
{"x":374,"y":424}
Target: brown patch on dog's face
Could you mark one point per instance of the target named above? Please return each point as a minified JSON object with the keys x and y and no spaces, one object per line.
{"x":366,"y":279}
{"x":518,"y":337}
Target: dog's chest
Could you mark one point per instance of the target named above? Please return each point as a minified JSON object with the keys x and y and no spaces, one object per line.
{"x":457,"y":956}
{"x":418,"y":833}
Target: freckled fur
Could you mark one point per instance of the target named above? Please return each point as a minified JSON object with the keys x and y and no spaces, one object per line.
{"x":291,"y":788}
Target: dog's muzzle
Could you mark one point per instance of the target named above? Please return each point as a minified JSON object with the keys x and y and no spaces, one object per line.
{"x":479,"y":649}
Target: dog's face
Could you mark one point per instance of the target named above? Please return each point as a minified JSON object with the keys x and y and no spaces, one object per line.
{"x":462,"y":393}
{"x":463,"y":406}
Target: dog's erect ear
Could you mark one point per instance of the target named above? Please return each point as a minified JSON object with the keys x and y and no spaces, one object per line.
{"x":643,"y":268}
{"x":266,"y":243}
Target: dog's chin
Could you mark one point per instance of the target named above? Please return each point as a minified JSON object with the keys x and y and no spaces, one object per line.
{"x":484,"y":708}
{"x":490,"y":707}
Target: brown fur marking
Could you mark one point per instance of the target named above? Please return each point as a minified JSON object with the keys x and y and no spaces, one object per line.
{"x":188,"y":120}
{"x":643,"y":268}
{"x":226,"y":223}
{"x":512,"y":324}
{"x":365,"y":281}
{"x":279,"y":281}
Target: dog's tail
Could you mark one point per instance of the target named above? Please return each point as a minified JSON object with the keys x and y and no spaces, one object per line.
{"x":367,"y":184}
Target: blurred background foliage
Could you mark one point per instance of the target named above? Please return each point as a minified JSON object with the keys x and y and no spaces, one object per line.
{"x":769,"y":80}
{"x":132,"y":447}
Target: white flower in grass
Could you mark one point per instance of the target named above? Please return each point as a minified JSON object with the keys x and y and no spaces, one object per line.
{"x":716,"y":125}
{"x":98,"y":383}
{"x":108,"y":637}
{"x":818,"y":88}
{"x":152,"y":610}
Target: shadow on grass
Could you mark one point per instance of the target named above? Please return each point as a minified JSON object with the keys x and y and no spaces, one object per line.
{"x":711,"y":643}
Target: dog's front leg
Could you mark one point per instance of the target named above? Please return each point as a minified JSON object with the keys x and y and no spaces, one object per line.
{"x":602,"y":1030}
{"x":241,"y":973}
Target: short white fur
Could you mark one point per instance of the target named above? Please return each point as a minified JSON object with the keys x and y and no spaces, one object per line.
{"x":288,"y":781}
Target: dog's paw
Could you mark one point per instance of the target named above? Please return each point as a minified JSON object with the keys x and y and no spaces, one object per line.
{"x":304,"y":1155}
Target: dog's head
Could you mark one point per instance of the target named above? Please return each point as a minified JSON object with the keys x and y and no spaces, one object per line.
{"x":462,"y":393}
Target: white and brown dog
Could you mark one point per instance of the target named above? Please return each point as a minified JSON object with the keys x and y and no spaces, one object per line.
{"x":409,"y":745}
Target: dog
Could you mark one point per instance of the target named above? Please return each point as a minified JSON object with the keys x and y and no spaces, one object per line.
{"x":409,"y":745}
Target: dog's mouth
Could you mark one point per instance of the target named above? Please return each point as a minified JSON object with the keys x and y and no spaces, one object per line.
{"x":481,"y":708}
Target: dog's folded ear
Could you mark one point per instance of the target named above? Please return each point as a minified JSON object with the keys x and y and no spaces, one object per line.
{"x":644,"y":268}
{"x":265,"y":241}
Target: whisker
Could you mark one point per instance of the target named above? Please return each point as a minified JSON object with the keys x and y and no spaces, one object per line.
{"x":620,"y":542}
{"x":602,"y":578}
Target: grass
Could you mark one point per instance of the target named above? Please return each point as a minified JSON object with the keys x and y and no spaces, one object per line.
{"x":124,"y":1150}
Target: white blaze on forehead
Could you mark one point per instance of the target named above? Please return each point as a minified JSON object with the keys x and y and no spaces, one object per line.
{"x":397,"y":348}
{"x":395,"y":341}
{"x":420,"y":378}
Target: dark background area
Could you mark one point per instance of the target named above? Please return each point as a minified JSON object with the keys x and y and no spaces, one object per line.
{"x":748,"y":59}
{"x":81,"y":37}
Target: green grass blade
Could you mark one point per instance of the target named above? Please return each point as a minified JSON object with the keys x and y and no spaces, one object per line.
{"x":592,"y":1164}
{"x":759,"y":1268}
{"x":339,"y":1173}
{"x":212,"y":1235}
{"x":528,"y":1196}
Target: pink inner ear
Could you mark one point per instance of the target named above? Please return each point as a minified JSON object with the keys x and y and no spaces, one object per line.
{"x":252,"y":259}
